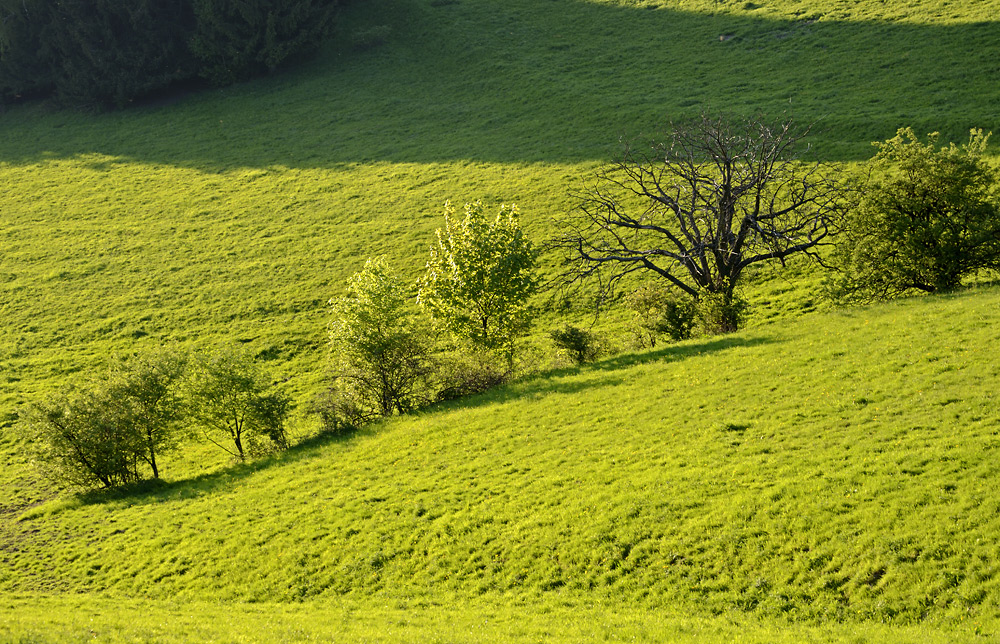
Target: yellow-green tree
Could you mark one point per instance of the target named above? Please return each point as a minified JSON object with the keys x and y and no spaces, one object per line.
{"x":380,"y":357}
{"x":479,"y":278}
{"x":230,"y":398}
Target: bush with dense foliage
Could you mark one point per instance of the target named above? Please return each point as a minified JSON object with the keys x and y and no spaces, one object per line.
{"x":580,"y":345}
{"x":83,"y":439}
{"x":146,"y":387}
{"x":716,"y":313}
{"x":102,"y":435}
{"x":659,"y":311}
{"x":927,"y":217}
{"x":339,"y":412}
{"x":230,"y":398}
{"x":460,"y":374}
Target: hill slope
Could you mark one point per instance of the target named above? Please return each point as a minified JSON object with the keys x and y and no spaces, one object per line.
{"x":836,"y":465}
{"x":234,"y":215}
{"x":841,"y":467}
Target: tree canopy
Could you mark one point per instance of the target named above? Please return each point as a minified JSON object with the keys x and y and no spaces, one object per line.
{"x":380,"y":357}
{"x":928,"y":216}
{"x":106,"y":53}
{"x":480,"y":276}
{"x":229,"y":396}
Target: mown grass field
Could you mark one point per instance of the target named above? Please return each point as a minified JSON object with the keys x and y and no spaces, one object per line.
{"x":856,"y":483}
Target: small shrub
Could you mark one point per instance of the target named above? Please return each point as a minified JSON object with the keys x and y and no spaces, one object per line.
{"x":146,"y":390}
{"x":718,"y":313}
{"x":463,"y":375}
{"x":83,"y":439}
{"x":102,"y":434}
{"x":339,"y":412}
{"x":579,"y":344}
{"x":659,"y":311}
{"x":680,"y":315}
{"x":270,"y":412}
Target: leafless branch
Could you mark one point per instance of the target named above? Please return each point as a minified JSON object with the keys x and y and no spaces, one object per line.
{"x":701,"y":206}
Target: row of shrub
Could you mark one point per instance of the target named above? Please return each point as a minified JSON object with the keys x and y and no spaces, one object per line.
{"x":114,"y":430}
{"x":387,"y":359}
{"x":480,"y":277}
{"x":658,"y":314}
{"x":106,"y":53}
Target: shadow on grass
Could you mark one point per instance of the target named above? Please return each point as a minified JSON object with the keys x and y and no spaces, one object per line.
{"x":604,"y":373}
{"x":609,"y":372}
{"x":158,"y":490}
{"x":548,"y":82}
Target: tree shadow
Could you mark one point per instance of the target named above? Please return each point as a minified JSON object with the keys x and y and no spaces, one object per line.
{"x":605,"y":373}
{"x":546,"y":82}
{"x":609,"y":372}
{"x":158,"y":491}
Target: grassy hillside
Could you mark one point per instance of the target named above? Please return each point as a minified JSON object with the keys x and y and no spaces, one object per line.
{"x":824,"y":465}
{"x":89,"y":618}
{"x":843,"y":467}
{"x":234,"y":215}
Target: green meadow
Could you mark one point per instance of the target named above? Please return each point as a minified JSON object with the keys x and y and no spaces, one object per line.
{"x":826,"y":475}
{"x":830,"y":475}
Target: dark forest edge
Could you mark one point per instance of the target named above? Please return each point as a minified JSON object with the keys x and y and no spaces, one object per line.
{"x":106,"y":54}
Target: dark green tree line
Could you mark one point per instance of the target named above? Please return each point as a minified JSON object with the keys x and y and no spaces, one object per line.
{"x":106,"y":53}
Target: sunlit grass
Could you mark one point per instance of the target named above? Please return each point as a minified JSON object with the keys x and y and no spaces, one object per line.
{"x":42,"y":620}
{"x":841,"y":467}
{"x":821,"y":465}
{"x":233,"y":215}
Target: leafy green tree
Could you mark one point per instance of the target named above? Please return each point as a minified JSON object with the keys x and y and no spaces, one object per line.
{"x":927,"y":217}
{"x":380,"y":355}
{"x":82,"y":439}
{"x":580,"y":345}
{"x":479,"y":278}
{"x":229,"y":396}
{"x":103,"y":433}
{"x":144,"y":389}
{"x":660,"y":311}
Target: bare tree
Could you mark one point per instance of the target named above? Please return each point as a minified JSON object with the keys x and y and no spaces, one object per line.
{"x":699,"y":208}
